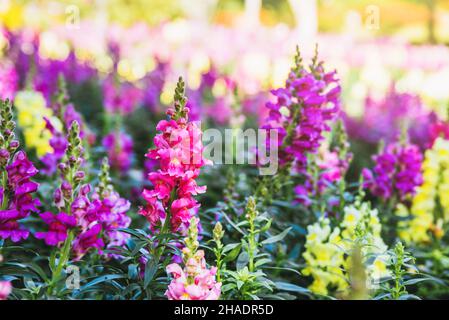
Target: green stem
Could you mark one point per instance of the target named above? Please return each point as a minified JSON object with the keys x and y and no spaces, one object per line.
{"x":252,"y":245}
{"x":164,"y":230}
{"x":5,"y":188}
{"x":218,"y":266}
{"x":62,"y":262}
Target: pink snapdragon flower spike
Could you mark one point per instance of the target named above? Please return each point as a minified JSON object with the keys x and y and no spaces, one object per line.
{"x":16,"y":188}
{"x":195,"y":281}
{"x":301,"y":112}
{"x":179,"y":152}
{"x":5,"y":289}
{"x":397,"y":171}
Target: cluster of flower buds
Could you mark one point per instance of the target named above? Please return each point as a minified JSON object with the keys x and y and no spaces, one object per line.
{"x":8,"y":144}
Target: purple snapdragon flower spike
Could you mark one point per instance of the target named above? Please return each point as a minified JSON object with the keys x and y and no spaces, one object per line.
{"x":397,"y":171}
{"x":20,"y":203}
{"x":301,"y":112}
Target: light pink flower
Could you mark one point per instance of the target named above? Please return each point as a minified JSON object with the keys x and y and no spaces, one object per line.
{"x":5,"y":289}
{"x":194,"y":282}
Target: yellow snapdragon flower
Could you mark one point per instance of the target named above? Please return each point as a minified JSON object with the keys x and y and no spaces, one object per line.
{"x":430,"y":205}
{"x":31,"y":111}
{"x":324,"y":258}
{"x":326,"y":255}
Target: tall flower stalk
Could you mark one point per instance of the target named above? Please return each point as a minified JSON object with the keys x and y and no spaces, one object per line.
{"x":301,"y":114}
{"x":171,"y":203}
{"x":16,"y":188}
{"x":70,"y":189}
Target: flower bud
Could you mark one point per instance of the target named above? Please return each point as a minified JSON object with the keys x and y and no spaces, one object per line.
{"x":4,"y":157}
{"x":218,"y":232}
{"x":13,"y":145}
{"x":66,"y":189}
{"x":79,"y":176}
{"x":58,"y":199}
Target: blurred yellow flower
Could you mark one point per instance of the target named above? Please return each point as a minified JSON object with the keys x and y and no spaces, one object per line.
{"x":430,"y":205}
{"x":326,"y":255}
{"x":31,"y":111}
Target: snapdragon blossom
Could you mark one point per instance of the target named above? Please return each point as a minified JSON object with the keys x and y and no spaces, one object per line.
{"x":179,"y":151}
{"x":21,"y":202}
{"x":5,"y":289}
{"x":430,"y":205}
{"x":301,"y":112}
{"x":195,"y":281}
{"x":397,"y":171}
{"x":327,"y":246}
{"x":93,"y":219}
{"x":16,"y":188}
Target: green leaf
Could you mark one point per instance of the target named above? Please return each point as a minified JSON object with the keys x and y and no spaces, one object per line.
{"x":150,"y":271}
{"x":277,"y":237}
{"x":291,"y":287}
{"x":101,"y":279}
{"x":242,"y":260}
{"x":261,"y":262}
{"x":230,"y":246}
{"x":232,"y":255}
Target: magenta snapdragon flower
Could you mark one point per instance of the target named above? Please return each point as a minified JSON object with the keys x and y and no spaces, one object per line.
{"x":20,"y":203}
{"x":59,"y":225}
{"x":16,"y":187}
{"x":179,"y":151}
{"x":397,"y":170}
{"x":89,"y":238}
